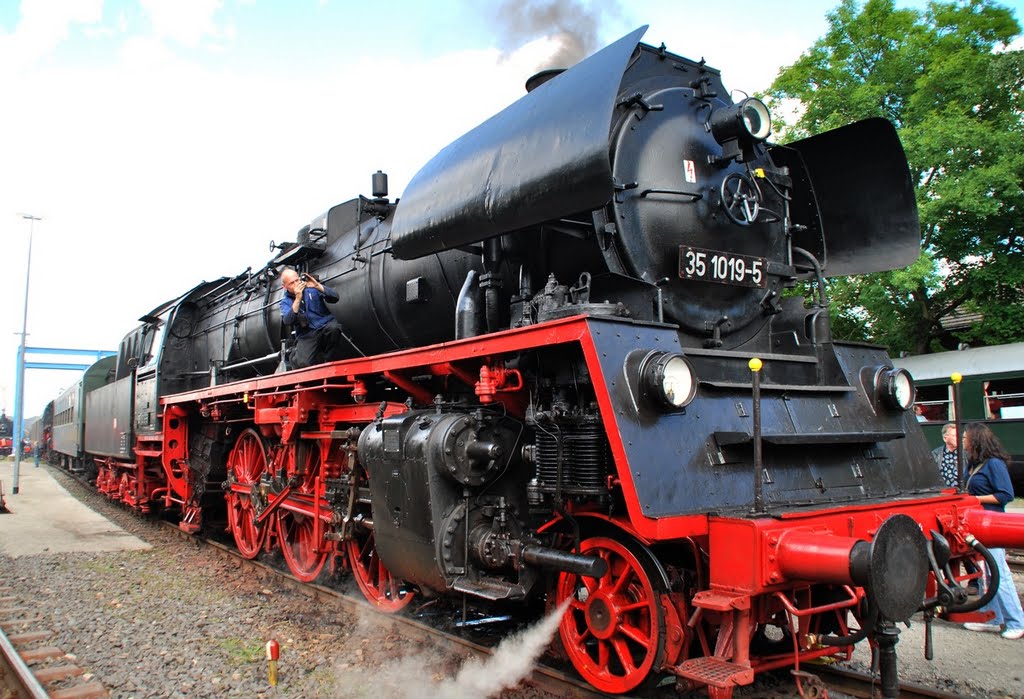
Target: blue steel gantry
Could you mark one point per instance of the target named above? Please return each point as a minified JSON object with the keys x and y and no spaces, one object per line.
{"x":19,"y":419}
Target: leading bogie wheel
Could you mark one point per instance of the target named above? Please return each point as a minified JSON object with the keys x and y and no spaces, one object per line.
{"x":614,"y":628}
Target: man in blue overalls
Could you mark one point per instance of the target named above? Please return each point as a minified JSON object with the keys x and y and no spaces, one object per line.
{"x":304,"y":307}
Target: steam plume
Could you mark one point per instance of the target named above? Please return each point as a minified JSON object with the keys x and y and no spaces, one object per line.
{"x":422,"y":673}
{"x":512,"y":661}
{"x":572,"y":22}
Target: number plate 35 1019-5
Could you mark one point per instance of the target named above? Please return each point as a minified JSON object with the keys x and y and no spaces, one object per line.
{"x":721,"y":267}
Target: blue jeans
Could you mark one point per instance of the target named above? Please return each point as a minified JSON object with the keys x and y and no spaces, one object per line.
{"x":1006,"y":603}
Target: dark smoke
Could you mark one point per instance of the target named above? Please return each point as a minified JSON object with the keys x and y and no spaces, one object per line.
{"x":572,"y":22}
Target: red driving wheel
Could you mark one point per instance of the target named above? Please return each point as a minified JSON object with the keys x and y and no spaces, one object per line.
{"x":614,"y":629}
{"x":303,"y":551}
{"x":247,"y":462}
{"x":299,"y":545}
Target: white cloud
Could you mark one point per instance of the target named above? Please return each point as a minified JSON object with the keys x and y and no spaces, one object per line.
{"x":184,"y":21}
{"x":42,"y":26}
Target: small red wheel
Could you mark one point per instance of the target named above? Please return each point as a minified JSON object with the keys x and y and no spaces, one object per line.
{"x":614,"y":629}
{"x":384,"y":591}
{"x":297,"y":533}
{"x":247,"y":462}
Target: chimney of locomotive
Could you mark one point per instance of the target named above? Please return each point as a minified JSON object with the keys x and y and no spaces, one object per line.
{"x":538,"y":79}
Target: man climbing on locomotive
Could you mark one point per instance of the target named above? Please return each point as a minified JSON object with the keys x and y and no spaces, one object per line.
{"x":304,"y":307}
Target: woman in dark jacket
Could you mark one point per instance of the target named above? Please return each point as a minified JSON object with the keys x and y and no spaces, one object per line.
{"x":989,"y":481}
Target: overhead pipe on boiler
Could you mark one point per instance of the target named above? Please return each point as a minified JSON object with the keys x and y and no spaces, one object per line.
{"x":249,"y":362}
{"x":490,"y":283}
{"x":468,"y":320}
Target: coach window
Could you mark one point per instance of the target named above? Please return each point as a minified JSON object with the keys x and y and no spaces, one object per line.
{"x":935,"y":403}
{"x":1004,"y":399}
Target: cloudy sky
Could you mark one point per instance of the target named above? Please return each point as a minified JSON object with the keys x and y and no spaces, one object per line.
{"x":164,"y":142}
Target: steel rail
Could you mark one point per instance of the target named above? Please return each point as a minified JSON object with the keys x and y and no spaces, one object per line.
{"x":25,"y":683}
{"x":1015,"y":559}
{"x":862,"y":684}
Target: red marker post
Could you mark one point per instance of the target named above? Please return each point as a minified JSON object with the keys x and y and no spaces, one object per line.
{"x":273,"y":653}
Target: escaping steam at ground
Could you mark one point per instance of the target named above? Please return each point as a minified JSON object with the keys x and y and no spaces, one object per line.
{"x":411,"y":671}
{"x":512,"y":661}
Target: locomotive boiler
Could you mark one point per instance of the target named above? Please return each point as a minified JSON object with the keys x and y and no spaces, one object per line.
{"x":578,"y":369}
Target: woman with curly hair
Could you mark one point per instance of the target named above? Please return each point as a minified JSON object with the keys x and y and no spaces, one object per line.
{"x":989,"y":480}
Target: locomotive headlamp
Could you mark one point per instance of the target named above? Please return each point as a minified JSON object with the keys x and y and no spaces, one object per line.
{"x":669,"y":378}
{"x":747,"y":122}
{"x":896,"y":387}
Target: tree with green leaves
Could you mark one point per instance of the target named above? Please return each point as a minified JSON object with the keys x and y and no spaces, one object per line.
{"x":945,"y":79}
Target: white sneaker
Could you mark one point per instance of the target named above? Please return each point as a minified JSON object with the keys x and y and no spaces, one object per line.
{"x":1013,"y":634}
{"x":991,"y":628}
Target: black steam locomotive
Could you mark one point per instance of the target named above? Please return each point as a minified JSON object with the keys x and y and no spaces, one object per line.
{"x":578,"y":371}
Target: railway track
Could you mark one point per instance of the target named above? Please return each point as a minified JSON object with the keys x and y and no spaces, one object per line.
{"x":29,"y":669}
{"x":841,"y":681}
{"x":1015,"y":559}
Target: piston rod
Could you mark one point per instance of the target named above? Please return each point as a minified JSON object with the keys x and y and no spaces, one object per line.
{"x":579,"y":564}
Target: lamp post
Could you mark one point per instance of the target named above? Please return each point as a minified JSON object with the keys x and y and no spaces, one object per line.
{"x":19,"y":390}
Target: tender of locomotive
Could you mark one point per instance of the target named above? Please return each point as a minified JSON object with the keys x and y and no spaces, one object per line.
{"x":575,"y":375}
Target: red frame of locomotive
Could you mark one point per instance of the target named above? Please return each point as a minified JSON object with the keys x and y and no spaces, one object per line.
{"x":754,"y":566}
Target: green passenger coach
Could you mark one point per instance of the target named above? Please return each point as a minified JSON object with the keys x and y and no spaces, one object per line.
{"x":991,"y":391}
